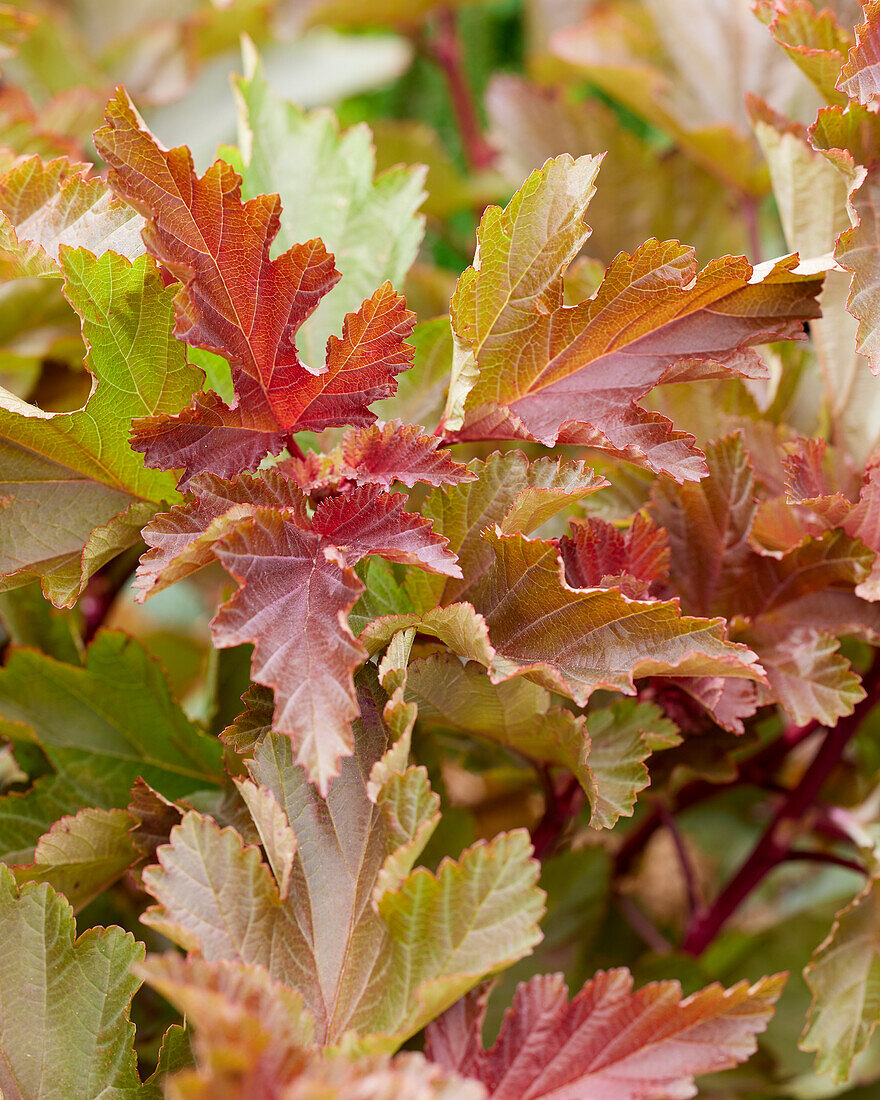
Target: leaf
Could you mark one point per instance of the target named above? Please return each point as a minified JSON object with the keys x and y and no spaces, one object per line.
{"x":239,"y":1014}
{"x":814,"y":40}
{"x":622,"y":737}
{"x":684,"y":67}
{"x":101,"y":726}
{"x":842,"y":977}
{"x":598,"y":555}
{"x":325,"y":181}
{"x":529,"y":367}
{"x":517,"y":714}
{"x":74,"y":495}
{"x":75,"y":1039}
{"x":811,"y":193}
{"x":568,"y":645}
{"x":380,"y":455}
{"x":861,"y":73}
{"x":404,"y":12}
{"x":510,"y":491}
{"x":44,"y":206}
{"x":82,"y":855}
{"x":326,"y":939}
{"x":851,"y":141}
{"x":237,"y":301}
{"x":609,"y":1041}
{"x":291,"y":571}
{"x":807,"y":675}
{"x":708,"y":527}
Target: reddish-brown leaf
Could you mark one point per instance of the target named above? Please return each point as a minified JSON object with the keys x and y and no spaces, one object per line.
{"x":609,"y":1042}
{"x":598,"y":555}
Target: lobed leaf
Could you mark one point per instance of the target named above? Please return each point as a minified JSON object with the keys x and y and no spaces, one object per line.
{"x":75,"y":1039}
{"x":609,"y":1041}
{"x":355,"y":913}
{"x":842,"y":977}
{"x":529,"y":367}
{"x":74,"y":495}
{"x":860,"y":77}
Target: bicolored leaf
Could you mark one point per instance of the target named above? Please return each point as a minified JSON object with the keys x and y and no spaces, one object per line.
{"x":354,"y":915}
{"x":843,"y":978}
{"x":73,"y":493}
{"x":325,"y":180}
{"x":44,"y":206}
{"x":584,"y":640}
{"x":814,"y":40}
{"x":529,"y":367}
{"x":238,"y":302}
{"x":510,"y":491}
{"x":860,"y":78}
{"x":609,"y":1041}
{"x":75,"y":1038}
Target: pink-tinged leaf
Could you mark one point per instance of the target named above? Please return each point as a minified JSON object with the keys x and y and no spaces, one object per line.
{"x":182,"y":540}
{"x":380,"y":455}
{"x":860,"y":78}
{"x":46,"y":205}
{"x":529,"y":367}
{"x":579,"y":641}
{"x":609,"y":1043}
{"x":293,"y":604}
{"x":806,"y":673}
{"x":728,"y":701}
{"x":598,"y":555}
{"x":297,"y":587}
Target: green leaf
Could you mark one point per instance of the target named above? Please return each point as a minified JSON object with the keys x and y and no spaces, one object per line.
{"x":74,"y":493}
{"x":355,"y":914}
{"x":325,"y":180}
{"x":101,"y":727}
{"x":844,"y":978}
{"x":64,"y":1003}
{"x":82,"y":855}
{"x":622,"y":737}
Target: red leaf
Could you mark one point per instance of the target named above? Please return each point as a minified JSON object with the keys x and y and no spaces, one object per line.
{"x":238,"y":302}
{"x":371,"y":521}
{"x":598,"y":555}
{"x":609,"y":1043}
{"x":380,"y":455}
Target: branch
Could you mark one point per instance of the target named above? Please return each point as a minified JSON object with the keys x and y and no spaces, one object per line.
{"x":445,"y":49}
{"x":824,"y":857}
{"x":562,"y":802}
{"x":684,"y":860}
{"x":103,"y":588}
{"x":775,"y":844}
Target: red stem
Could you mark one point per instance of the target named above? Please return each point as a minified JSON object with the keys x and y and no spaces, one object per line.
{"x":446,"y":50}
{"x":561,"y":803}
{"x":825,"y":857}
{"x":775,"y":843}
{"x":684,"y":860}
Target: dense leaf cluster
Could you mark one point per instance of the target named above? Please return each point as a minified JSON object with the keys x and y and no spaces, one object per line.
{"x":377,"y":539}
